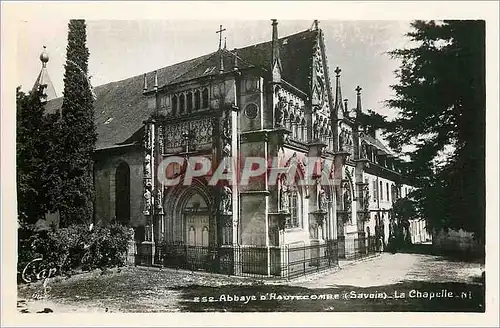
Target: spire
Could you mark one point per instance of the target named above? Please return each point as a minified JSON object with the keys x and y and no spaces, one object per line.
{"x":145,"y":83}
{"x":221,"y":64}
{"x":315,"y":25}
{"x":275,"y":59}
{"x":358,"y":100}
{"x":235,"y":59}
{"x":338,"y":91}
{"x":43,"y":81}
{"x":225,"y":43}
{"x":156,"y":81}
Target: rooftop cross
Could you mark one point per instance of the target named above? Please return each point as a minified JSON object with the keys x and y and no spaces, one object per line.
{"x":220,"y":35}
{"x":337,"y":71}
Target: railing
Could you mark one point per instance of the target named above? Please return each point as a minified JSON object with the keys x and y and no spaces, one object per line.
{"x":252,"y":261}
{"x":311,"y":258}
{"x":357,"y":248}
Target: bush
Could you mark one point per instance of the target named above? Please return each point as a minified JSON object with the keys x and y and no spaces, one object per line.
{"x":75,"y":247}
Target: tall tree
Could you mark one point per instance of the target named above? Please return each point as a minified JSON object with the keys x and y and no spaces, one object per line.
{"x":30,"y":151}
{"x":77,"y":133}
{"x":440,"y":98}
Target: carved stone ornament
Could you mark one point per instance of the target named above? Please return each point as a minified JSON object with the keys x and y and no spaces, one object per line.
{"x":280,"y":111}
{"x":321,"y":199}
{"x":226,"y":200}
{"x":316,"y":130}
{"x":161,"y":139}
{"x":364,"y":150}
{"x":284,"y":198}
{"x":147,"y":166}
{"x":174,"y":134}
{"x":147,"y":137}
{"x":159,"y":200}
{"x":366,"y":198}
{"x":347,"y":197}
{"x":147,"y":202}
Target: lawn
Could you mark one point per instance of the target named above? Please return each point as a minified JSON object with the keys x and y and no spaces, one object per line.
{"x":134,"y":289}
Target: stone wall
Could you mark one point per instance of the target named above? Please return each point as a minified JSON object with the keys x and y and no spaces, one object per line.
{"x":454,"y":241}
{"x":105,"y":166}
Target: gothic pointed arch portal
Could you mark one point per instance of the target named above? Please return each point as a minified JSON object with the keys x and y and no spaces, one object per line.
{"x":189,"y":214}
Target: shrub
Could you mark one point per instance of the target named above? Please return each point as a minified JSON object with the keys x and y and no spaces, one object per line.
{"x":75,"y":247}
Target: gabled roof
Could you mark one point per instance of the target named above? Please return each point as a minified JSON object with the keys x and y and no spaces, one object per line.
{"x":376,"y":143}
{"x":120,"y":107}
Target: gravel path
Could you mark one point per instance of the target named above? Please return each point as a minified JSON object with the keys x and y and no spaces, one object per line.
{"x":151,"y":290}
{"x":389,"y":269}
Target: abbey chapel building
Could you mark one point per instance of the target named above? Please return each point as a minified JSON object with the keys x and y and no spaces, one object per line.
{"x":280,"y":101}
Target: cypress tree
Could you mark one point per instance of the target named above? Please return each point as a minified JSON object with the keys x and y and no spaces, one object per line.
{"x":77,"y":132}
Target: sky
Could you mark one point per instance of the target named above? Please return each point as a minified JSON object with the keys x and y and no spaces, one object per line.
{"x":123,"y":48}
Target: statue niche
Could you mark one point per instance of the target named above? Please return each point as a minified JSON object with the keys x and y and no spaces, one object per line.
{"x":226,"y":200}
{"x":321,"y":199}
{"x":279,"y":111}
{"x":347,"y":201}
{"x":147,"y":202}
{"x":284,"y":198}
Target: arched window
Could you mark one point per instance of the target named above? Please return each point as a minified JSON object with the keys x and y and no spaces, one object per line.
{"x":204,"y":236}
{"x":204,"y":96}
{"x":294,"y":221}
{"x":122,"y":193}
{"x":296,"y":128}
{"x":174,"y":105}
{"x":191,"y":236}
{"x":189,"y":102}
{"x":181,"y":104}
{"x":197,"y":100}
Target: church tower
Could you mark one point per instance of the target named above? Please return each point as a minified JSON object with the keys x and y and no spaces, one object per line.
{"x":43,"y":81}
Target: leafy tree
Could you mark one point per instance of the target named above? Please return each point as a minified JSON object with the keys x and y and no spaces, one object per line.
{"x":30,"y":151}
{"x":372,"y":119}
{"x":440,"y":98}
{"x":76,"y":132}
{"x":403,"y":210}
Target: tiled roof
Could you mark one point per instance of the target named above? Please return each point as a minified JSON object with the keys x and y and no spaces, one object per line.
{"x":121,"y":108}
{"x":377,"y":143}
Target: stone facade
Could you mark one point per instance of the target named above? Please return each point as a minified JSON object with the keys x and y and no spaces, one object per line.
{"x":271,"y":101}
